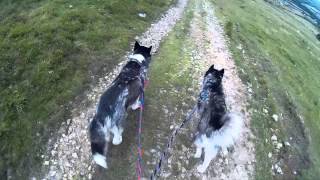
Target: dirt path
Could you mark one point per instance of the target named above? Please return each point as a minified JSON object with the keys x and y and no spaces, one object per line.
{"x":206,"y":45}
{"x":69,"y":156}
{"x":167,"y":101}
{"x":212,"y":48}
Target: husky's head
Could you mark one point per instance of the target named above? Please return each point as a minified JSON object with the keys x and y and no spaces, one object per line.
{"x":213,"y":77}
{"x":142,"y":50}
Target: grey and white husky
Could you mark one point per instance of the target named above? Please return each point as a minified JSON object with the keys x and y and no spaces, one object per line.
{"x":112,"y":108}
{"x":217,"y":128}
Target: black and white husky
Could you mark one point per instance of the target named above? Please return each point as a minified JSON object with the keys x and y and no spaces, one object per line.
{"x":111,"y":112}
{"x":217,"y":129}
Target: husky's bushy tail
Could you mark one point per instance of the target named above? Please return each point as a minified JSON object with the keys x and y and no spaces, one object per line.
{"x":98,"y":143}
{"x":230,"y":131}
{"x":220,"y":139}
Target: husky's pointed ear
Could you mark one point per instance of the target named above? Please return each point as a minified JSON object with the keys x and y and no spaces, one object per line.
{"x":212,"y":66}
{"x":210,"y":70}
{"x":221,"y":72}
{"x":149,"y":49}
{"x":136,"y":46}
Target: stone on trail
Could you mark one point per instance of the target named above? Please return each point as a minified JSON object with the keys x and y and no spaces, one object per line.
{"x":275,"y":117}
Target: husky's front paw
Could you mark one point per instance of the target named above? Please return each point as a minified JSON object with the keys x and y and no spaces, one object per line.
{"x":201,"y":169}
{"x":136,"y":105}
{"x":117,"y":140}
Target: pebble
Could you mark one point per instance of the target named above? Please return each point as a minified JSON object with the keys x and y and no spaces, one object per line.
{"x":53,"y":152}
{"x":46,"y":163}
{"x":179,"y":165}
{"x":274,"y":138}
{"x":239,"y":47}
{"x":183,"y":170}
{"x":184,"y":148}
{"x":265,"y":110}
{"x":74,"y":155}
{"x":279,"y":146}
{"x":53,"y":173}
{"x":82,"y":115}
{"x":143,"y":15}
{"x":167,"y":174}
{"x":153,"y":150}
{"x":275,"y":117}
{"x":278,"y":169}
{"x":269,"y":155}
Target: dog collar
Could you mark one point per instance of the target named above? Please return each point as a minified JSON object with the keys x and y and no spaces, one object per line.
{"x":137,"y":57}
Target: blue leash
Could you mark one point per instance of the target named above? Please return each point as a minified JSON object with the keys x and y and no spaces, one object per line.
{"x":157,"y":170}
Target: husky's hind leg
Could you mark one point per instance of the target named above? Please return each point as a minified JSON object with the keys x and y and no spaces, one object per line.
{"x":209,"y":154}
{"x":198,"y":142}
{"x":198,"y":152}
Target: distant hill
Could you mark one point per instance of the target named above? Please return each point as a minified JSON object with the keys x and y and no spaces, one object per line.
{"x":310,"y":7}
{"x":313,"y":3}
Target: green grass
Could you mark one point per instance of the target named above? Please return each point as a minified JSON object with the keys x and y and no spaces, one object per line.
{"x":49,"y":51}
{"x":280,"y":59}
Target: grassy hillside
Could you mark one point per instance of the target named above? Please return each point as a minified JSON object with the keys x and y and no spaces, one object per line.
{"x":278,"y":57}
{"x":313,"y":3}
{"x":49,"y":52}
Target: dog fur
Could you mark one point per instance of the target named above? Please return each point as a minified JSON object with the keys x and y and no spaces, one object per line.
{"x":217,"y":129}
{"x":113,"y":105}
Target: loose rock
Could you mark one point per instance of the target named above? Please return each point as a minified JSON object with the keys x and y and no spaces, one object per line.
{"x":275,"y":117}
{"x":274,"y":138}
